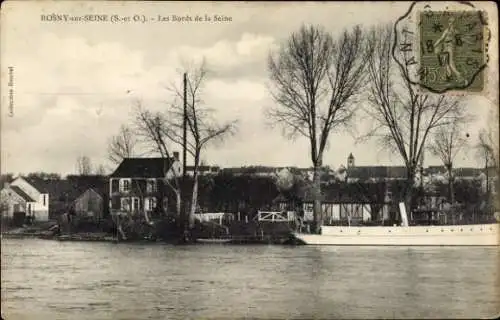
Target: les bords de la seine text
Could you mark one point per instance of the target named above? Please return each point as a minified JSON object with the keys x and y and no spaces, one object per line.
{"x":141,"y":18}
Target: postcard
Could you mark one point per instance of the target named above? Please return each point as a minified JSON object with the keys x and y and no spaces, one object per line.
{"x":263,"y":160}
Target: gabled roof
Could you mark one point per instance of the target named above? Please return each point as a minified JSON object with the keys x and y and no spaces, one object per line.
{"x":42,"y":185}
{"x":22,"y":194}
{"x":87,"y":191}
{"x":71,"y":187}
{"x":143,"y":168}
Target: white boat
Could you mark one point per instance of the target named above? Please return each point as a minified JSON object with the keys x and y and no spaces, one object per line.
{"x":404,"y":235}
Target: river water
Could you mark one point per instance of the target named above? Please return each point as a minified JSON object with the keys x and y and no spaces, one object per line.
{"x":44,"y":279}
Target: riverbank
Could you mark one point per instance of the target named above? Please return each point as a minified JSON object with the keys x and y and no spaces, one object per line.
{"x":235,"y":232}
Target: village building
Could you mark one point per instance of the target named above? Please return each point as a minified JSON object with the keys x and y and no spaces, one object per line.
{"x":350,"y":203}
{"x":355,"y":173}
{"x":137,"y":184}
{"x":89,"y":204}
{"x":21,"y":196}
{"x":203,"y":170}
{"x":67,"y":194}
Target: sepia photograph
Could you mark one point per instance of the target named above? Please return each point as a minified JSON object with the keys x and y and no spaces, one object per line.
{"x":249,"y":160}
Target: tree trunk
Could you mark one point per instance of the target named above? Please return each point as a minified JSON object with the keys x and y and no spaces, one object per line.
{"x":194,"y":201}
{"x":317,"y":212}
{"x":451,"y":195}
{"x":452,"y":190}
{"x":409,"y":193}
{"x":178,"y":202}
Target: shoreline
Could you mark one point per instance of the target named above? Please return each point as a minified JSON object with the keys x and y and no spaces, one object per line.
{"x":114,"y":239}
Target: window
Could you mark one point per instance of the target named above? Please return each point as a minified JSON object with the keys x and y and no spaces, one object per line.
{"x":135,"y":205}
{"x":114,"y":185}
{"x":151,"y":204}
{"x":308,"y":206}
{"x":115,"y":203}
{"x":165,"y":203}
{"x":44,"y":200}
{"x":151,"y":186}
{"x":125,"y":204}
{"x":125,"y":185}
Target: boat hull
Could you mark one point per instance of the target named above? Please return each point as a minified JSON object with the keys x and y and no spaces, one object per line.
{"x":457,"y":235}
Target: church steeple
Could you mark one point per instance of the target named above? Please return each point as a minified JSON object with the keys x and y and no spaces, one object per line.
{"x":350,"y":161}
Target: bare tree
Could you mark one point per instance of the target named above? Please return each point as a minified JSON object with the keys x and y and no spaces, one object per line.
{"x":153,"y":129}
{"x":122,"y":145}
{"x":448,"y":141}
{"x":202,"y":128}
{"x":314,"y":81}
{"x":100,"y":170}
{"x":402,"y":117}
{"x":163,"y":130}
{"x":83,"y":165}
{"x":487,"y":151}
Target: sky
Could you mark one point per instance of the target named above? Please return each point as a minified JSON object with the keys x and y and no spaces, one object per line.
{"x":75,"y":83}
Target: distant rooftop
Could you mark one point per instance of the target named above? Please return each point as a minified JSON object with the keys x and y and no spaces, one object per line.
{"x":366,"y":172}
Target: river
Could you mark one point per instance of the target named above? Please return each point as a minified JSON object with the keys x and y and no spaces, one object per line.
{"x":44,"y":279}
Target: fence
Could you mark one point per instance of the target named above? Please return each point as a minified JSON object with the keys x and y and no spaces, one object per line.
{"x":276,"y":216}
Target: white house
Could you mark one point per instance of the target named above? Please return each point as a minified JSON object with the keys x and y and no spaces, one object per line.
{"x":13,"y":199}
{"x":21,"y":196}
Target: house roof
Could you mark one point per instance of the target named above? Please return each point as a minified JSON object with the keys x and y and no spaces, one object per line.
{"x":203,"y":168}
{"x":435,"y":169}
{"x":467,"y":172}
{"x":346,"y":193}
{"x":87,"y":191}
{"x":250,"y":170}
{"x":70,"y":188}
{"x":366,"y":172}
{"x":22,"y":194}
{"x":42,"y":185}
{"x":143,"y":168}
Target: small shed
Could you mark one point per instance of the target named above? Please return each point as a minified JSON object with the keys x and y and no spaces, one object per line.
{"x":89,"y":204}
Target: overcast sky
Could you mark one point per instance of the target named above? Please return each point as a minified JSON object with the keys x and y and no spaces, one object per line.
{"x":71,"y":78}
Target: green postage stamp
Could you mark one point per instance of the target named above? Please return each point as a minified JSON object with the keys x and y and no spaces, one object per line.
{"x":453,"y":47}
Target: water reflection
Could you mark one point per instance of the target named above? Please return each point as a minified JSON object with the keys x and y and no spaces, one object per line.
{"x":105,"y":281}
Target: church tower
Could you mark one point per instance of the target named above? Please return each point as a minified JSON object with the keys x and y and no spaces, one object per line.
{"x":350,"y":161}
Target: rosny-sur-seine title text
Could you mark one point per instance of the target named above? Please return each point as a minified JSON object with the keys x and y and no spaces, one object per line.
{"x":115,"y":18}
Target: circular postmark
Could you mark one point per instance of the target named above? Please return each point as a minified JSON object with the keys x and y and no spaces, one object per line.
{"x":442,"y":46}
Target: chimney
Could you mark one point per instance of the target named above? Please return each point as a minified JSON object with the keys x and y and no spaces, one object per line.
{"x":176,"y":156}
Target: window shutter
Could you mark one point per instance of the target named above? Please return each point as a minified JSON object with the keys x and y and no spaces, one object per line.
{"x":115,"y":203}
{"x":114,"y":185}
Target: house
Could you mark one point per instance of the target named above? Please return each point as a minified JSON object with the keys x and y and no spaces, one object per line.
{"x":14,"y":199}
{"x":340,"y":201}
{"x":21,"y":196}
{"x":467,"y":173}
{"x":355,"y":173}
{"x":89,"y":204}
{"x":64,"y":192}
{"x":203,"y":170}
{"x":138,"y":184}
{"x":259,"y":171}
